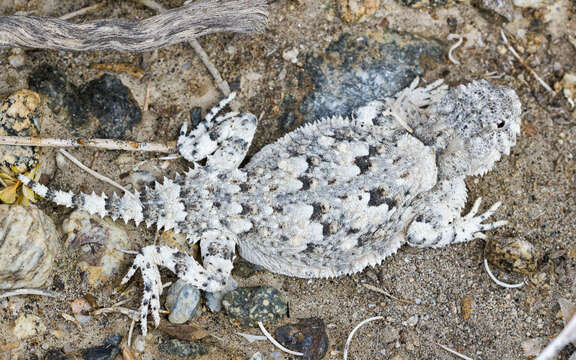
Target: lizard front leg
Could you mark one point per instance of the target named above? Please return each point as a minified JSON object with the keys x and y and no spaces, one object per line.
{"x":439,"y":223}
{"x":222,"y":140}
{"x":217,"y":248}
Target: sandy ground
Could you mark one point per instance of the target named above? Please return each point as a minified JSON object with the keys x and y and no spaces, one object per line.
{"x":536,"y":184}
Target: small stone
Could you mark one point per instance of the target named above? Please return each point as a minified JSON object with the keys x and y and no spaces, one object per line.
{"x":249,"y":305}
{"x":353,"y":11}
{"x":81,"y":309}
{"x":108,"y":351}
{"x":308,"y":336}
{"x":214,"y":300}
{"x":258,"y":356}
{"x":97,"y":241}
{"x":535,"y":4}
{"x":512,"y":254}
{"x":290,"y":55}
{"x":55,"y":354}
{"x":412,"y":320}
{"x":139,"y":343}
{"x":28,"y":247}
{"x":244,"y":269}
{"x":21,"y":114}
{"x":28,"y":325}
{"x":466,"y":306}
{"x":112,"y":105}
{"x":182,"y":301}
{"x":16,"y":60}
{"x":533,"y":347}
{"x":390,"y":334}
{"x":495,"y":11}
{"x":183,"y":349}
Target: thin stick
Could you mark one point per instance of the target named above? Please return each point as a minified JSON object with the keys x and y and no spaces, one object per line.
{"x":501,"y":283}
{"x":459,"y":39}
{"x":36,"y":292}
{"x":383,"y":292}
{"x":454,"y":352}
{"x":221,"y":83}
{"x":566,"y":336}
{"x":513,"y":51}
{"x":81,"y":12}
{"x":105,"y":144}
{"x":276,"y":343}
{"x":93,"y":173}
{"x":193,"y":19}
{"x":130,"y":331}
{"x":349,"y":341}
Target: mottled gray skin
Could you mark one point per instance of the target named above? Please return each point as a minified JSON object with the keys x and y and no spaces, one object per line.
{"x":327,"y":199}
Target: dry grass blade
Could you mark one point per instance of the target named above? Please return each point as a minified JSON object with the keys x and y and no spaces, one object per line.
{"x":383,"y":292}
{"x":35,"y":292}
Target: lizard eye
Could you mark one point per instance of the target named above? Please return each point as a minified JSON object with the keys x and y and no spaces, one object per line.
{"x":501,"y":124}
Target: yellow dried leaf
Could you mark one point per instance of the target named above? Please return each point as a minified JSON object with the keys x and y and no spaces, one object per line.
{"x":8,"y":194}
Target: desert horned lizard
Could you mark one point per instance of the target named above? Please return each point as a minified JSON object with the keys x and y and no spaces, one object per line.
{"x":327,"y":199}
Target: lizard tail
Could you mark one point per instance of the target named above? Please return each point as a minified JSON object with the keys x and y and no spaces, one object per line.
{"x":127,"y":207}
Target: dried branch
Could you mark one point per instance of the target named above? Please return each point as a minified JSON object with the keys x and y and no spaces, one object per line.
{"x":191,"y":20}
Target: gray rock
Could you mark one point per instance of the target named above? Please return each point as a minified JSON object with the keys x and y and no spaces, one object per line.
{"x":214,"y":300}
{"x":182,"y":302}
{"x":183,"y":348}
{"x":357,"y":69}
{"x":258,"y":356}
{"x":495,"y":11}
{"x":28,"y":247}
{"x":108,"y":351}
{"x":249,"y":305}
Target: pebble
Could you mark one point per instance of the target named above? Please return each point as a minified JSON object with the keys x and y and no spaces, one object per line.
{"x":495,"y":11}
{"x":28,"y":325}
{"x":97,"y":241}
{"x":28,"y":248}
{"x":55,"y":354}
{"x":353,"y":11}
{"x":390,"y":334}
{"x":356,"y":69}
{"x":413,"y":320}
{"x":108,"y":351}
{"x":249,"y":305}
{"x":183,"y":348}
{"x":512,"y":254}
{"x":112,"y":105}
{"x":182,"y":302}
{"x":308,"y":336}
{"x":214,"y":300}
{"x":466,"y":306}
{"x":258,"y":356}
{"x":81,"y":309}
{"x":244,"y":269}
{"x":21,"y":114}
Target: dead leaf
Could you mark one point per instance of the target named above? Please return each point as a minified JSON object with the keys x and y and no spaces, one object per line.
{"x":189,"y":331}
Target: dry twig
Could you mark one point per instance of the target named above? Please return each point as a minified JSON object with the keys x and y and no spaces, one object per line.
{"x":193,"y":19}
{"x":566,"y":336}
{"x":383,"y":292}
{"x":38,"y":292}
{"x":81,"y":12}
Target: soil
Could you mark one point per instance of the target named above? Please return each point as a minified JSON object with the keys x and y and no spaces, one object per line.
{"x":455,"y":302}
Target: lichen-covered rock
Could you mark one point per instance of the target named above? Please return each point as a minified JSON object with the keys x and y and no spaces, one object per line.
{"x":21,"y":114}
{"x":513,"y":254}
{"x":249,"y":305}
{"x":28,"y":247}
{"x":98,"y":241}
{"x":185,"y":349}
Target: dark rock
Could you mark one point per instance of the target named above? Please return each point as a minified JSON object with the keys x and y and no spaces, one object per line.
{"x":357,"y":69}
{"x":114,"y":339}
{"x":308,"y":336}
{"x":249,"y":305}
{"x":182,"y":301}
{"x":108,"y":351}
{"x":244,"y":269}
{"x":183,"y":348}
{"x":495,"y":11}
{"x":55,"y":354}
{"x":113,"y":105}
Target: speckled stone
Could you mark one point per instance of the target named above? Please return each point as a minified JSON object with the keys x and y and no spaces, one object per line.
{"x":214,"y":300}
{"x":96,"y":241}
{"x":512,"y":254}
{"x":28,"y":248}
{"x":21,"y":114}
{"x":182,"y":302}
{"x":308,"y":336}
{"x":354,"y":70}
{"x":185,"y":349}
{"x":249,"y":305}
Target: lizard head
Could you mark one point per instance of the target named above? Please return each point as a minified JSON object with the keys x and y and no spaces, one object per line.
{"x":472,"y":126}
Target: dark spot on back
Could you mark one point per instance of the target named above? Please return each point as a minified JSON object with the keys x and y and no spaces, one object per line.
{"x":372,"y":150}
{"x":317,"y":212}
{"x":353,"y":231}
{"x":306,"y":182}
{"x":326,"y":229}
{"x":363,"y":162}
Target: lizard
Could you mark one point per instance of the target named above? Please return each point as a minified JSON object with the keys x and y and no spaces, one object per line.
{"x":327,"y":199}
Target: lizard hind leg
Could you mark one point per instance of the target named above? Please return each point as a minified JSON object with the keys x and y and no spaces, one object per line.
{"x":218,"y":252}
